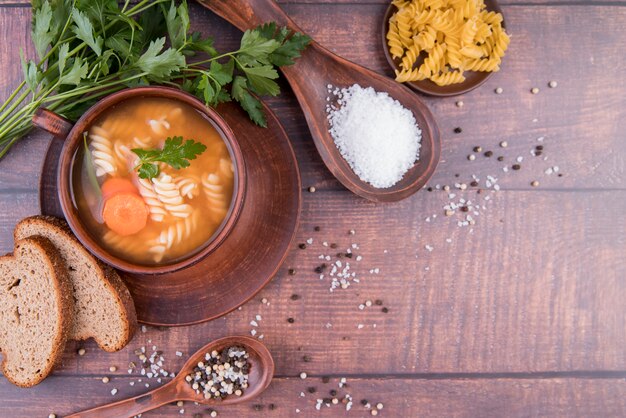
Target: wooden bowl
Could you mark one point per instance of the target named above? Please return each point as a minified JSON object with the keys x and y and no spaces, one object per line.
{"x":473,"y":79}
{"x":253,"y":251}
{"x":74,"y":139}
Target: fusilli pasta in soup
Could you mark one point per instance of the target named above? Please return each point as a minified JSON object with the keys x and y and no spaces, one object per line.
{"x":182,"y":208}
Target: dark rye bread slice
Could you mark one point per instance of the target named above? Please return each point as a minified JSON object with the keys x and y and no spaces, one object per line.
{"x":104,"y":309}
{"x":36,"y":310}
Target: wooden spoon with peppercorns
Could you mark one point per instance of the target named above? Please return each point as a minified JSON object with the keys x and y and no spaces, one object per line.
{"x":261,"y":370}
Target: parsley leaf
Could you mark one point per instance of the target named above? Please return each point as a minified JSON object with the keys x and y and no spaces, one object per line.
{"x":42,"y":35}
{"x":76,"y":73}
{"x":177,"y":21}
{"x":250,"y":104}
{"x":31,"y":75}
{"x":261,"y":79}
{"x":160,"y":64}
{"x":175,"y":153}
{"x":287,"y":53}
{"x":84,"y":31}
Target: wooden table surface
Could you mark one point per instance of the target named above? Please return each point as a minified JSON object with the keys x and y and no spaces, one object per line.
{"x":522,"y":314}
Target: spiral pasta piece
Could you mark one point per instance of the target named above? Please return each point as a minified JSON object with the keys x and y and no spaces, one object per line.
{"x":410,"y":57}
{"x":409,"y":75}
{"x":425,"y":40}
{"x":168,"y":193}
{"x":490,"y":65}
{"x":102,"y":151}
{"x":433,"y":63}
{"x":445,"y":79}
{"x":126,"y":244}
{"x":189,"y":186}
{"x":155,"y":206}
{"x":214,"y":192}
{"x":393,"y":40}
{"x":172,"y":235}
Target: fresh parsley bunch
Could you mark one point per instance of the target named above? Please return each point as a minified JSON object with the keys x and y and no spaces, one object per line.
{"x":90,"y":48}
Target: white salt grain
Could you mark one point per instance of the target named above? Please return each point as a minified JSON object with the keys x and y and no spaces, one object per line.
{"x":378,"y":137}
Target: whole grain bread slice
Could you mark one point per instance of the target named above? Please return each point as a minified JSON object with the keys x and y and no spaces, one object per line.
{"x":104,"y":309}
{"x":36,"y":310}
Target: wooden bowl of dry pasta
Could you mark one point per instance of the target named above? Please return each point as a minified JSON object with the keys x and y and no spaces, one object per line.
{"x":444,"y":48}
{"x":180,"y":222}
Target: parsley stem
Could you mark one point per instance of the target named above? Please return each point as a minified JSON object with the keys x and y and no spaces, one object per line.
{"x":12,"y":96}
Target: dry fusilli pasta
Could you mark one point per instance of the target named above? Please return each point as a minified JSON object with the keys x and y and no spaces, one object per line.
{"x":452,"y":36}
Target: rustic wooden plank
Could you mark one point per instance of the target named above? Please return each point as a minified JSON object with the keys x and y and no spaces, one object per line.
{"x":537,"y":286}
{"x":583,"y":120}
{"x":569,"y":397}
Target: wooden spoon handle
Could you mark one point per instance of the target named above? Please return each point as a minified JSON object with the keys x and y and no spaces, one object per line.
{"x":132,"y":406}
{"x":247,"y":14}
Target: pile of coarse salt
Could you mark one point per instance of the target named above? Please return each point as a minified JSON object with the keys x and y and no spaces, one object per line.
{"x":377,"y":136}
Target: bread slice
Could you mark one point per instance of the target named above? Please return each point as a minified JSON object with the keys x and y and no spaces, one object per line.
{"x":104,"y":309}
{"x":36,"y":310}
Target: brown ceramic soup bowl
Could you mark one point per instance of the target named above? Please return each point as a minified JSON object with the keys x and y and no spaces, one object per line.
{"x":73,"y":134}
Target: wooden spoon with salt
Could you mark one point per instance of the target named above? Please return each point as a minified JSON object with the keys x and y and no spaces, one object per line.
{"x":259,"y":378}
{"x":309,"y":78}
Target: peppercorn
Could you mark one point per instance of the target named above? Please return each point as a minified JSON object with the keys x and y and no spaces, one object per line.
{"x":292,"y":272}
{"x":291,"y":320}
{"x":385,"y":310}
{"x":516,"y":166}
{"x":458,"y":130}
{"x":488,"y":153}
{"x":311,"y":389}
{"x":302,"y":246}
{"x":295,"y":297}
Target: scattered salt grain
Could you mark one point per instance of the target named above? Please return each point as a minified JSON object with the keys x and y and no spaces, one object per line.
{"x":113,"y":392}
{"x":378,"y":137}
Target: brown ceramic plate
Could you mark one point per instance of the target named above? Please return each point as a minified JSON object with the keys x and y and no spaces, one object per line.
{"x":473,"y":79}
{"x":253,"y":251}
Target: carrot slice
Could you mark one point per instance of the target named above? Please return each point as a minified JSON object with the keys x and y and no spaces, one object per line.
{"x":125,"y":213}
{"x":116,"y":185}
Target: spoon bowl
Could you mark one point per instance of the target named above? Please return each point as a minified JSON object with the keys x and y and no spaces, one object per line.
{"x":310,"y":77}
{"x":259,"y":378}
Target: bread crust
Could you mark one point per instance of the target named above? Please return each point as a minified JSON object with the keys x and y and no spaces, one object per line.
{"x":108,"y":275}
{"x":62,"y":288}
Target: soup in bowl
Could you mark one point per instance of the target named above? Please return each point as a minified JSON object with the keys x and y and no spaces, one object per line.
{"x":151,"y":180}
